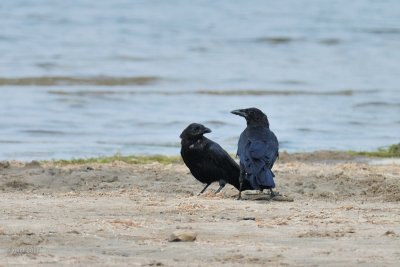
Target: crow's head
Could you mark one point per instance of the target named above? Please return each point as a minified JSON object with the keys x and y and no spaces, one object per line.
{"x":194,"y":131}
{"x":253,"y":116}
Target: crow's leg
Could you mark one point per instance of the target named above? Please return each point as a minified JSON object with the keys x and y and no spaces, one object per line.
{"x":222,"y":184}
{"x":241,"y":180}
{"x":204,"y":189}
{"x":272,"y":193}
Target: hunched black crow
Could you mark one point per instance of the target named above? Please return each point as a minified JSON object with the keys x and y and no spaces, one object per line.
{"x":258,"y":149}
{"x":208,"y":161}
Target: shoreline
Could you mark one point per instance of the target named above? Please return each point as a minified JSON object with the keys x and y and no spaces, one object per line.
{"x":391,"y":152}
{"x":345,"y":212}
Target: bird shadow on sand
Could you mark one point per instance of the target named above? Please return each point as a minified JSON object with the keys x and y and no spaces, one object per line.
{"x":268,"y":197}
{"x":265,"y":197}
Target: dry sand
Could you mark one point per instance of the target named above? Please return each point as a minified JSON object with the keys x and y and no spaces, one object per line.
{"x":345,"y":212}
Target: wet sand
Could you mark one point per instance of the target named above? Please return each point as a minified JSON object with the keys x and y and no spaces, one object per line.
{"x":345,"y":212}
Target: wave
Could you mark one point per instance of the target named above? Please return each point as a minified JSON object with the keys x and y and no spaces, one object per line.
{"x":236,"y":92}
{"x":274,"y":92}
{"x":132,"y":58}
{"x":330,"y":41}
{"x":65,"y":80}
{"x":356,"y":123}
{"x":377,"y":104}
{"x":384,"y":31}
{"x":44,"y":132}
{"x":10,"y":142}
{"x":150,"y":144}
{"x":275,"y":40}
{"x":216,"y":123}
{"x":85,"y":92}
{"x":47,"y":65}
{"x":292,"y":82}
{"x":309,"y":130}
{"x":280,"y":40}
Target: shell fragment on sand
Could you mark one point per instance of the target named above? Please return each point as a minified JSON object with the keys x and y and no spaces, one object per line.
{"x":182,"y":236}
{"x":283,"y":198}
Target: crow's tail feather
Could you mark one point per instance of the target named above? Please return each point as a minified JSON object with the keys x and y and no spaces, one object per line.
{"x":266,"y":179}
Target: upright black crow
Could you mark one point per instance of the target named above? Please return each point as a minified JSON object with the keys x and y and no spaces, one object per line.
{"x":257,"y":149}
{"x":206,"y":160}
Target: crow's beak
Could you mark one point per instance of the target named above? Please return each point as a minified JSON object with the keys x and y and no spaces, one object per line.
{"x":206,"y":130}
{"x":239,"y":112}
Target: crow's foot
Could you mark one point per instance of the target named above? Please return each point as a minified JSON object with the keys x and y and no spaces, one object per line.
{"x":219,"y":189}
{"x":274,"y":194}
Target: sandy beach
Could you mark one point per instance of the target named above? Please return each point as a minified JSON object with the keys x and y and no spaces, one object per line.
{"x":345,"y":213}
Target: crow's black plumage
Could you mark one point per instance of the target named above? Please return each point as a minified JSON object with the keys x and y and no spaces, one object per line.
{"x":258,"y":149}
{"x":206,"y":160}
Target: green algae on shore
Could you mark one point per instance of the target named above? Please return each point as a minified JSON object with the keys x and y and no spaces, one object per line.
{"x":392,"y":151}
{"x":118,"y":157}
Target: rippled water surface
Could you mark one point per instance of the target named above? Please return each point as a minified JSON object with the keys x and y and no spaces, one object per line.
{"x":80,"y":79}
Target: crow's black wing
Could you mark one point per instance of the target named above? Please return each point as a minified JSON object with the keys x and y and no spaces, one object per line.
{"x":264,"y":149}
{"x":228,"y":167}
{"x":258,"y":150}
{"x":221,"y":158}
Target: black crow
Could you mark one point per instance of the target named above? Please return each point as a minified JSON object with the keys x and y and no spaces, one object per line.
{"x":208,"y":161}
{"x":257,"y":150}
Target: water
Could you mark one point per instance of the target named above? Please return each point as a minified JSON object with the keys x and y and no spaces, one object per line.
{"x":80,"y":79}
